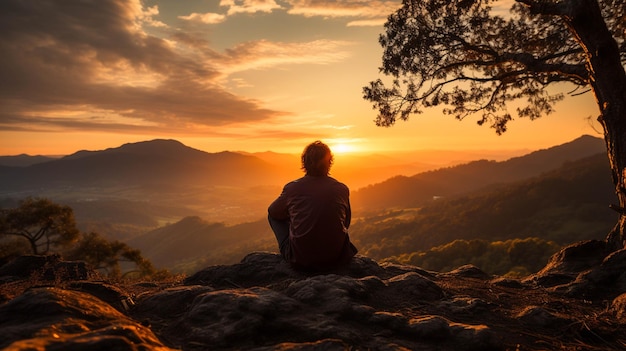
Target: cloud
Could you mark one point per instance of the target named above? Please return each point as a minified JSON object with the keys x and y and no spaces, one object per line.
{"x":365,"y":13}
{"x":343,"y":127}
{"x":368,"y":23}
{"x":94,"y":58}
{"x":147,"y":16}
{"x":249,"y":6}
{"x":263,"y":54}
{"x":233,"y":7}
{"x":76,"y":65}
{"x":347,"y":8}
{"x":208,"y":18}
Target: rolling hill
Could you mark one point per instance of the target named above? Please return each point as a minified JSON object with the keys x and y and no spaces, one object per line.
{"x":192,"y":243}
{"x":414,"y":191}
{"x":565,"y":205}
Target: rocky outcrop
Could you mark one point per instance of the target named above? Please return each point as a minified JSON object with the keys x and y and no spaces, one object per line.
{"x":262,"y":304}
{"x":585,"y":270}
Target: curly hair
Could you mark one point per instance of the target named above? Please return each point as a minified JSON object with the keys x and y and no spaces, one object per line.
{"x":317,"y":159}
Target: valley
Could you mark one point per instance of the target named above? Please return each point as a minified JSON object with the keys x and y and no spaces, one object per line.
{"x":185,"y":209}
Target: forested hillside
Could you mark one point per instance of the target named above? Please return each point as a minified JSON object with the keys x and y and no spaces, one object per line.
{"x":564,"y":206}
{"x":513,"y":257}
{"x":414,"y":191}
{"x":193,"y":243}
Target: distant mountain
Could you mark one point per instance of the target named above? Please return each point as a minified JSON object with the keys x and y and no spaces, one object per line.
{"x":156,"y":163}
{"x":23,"y":160}
{"x":565,"y":205}
{"x":413,"y":191}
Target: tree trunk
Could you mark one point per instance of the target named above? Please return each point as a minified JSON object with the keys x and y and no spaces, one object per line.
{"x":608,"y":81}
{"x":33,"y":245}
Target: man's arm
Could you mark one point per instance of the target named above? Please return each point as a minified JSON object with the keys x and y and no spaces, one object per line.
{"x":279,"y":209}
{"x":348,"y":216}
{"x":348,"y":209}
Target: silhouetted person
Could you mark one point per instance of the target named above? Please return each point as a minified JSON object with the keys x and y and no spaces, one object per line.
{"x":311,"y":216}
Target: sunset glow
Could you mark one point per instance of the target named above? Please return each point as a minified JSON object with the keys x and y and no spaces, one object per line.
{"x":342,"y":148}
{"x":221,"y":75}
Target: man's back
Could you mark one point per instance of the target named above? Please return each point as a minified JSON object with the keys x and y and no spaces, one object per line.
{"x":318,"y":208}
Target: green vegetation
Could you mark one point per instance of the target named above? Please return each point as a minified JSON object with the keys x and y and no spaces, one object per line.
{"x":563,"y":206}
{"x":47,"y":227}
{"x":515,"y":258}
{"x":108,"y":256}
{"x":194,"y":243}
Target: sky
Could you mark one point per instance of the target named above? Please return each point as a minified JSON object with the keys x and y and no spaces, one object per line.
{"x":238,"y":75}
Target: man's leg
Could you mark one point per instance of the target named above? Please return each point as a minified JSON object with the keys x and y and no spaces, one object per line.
{"x":281,"y":231}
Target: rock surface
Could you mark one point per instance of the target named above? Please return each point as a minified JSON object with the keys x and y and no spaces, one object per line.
{"x":262,"y":304}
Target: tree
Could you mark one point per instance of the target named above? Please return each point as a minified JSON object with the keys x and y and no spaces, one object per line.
{"x":105,"y":255}
{"x":462,"y":56}
{"x":44,"y":224}
{"x":50,"y":228}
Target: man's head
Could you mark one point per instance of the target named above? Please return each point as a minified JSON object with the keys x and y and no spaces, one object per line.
{"x":317,"y":159}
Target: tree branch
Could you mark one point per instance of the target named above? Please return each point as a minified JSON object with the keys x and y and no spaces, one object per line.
{"x":539,"y":65}
{"x":553,"y":8}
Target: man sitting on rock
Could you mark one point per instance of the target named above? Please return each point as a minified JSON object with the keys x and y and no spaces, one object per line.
{"x":311,"y":216}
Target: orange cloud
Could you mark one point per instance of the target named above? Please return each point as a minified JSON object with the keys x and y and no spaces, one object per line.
{"x":115,"y":66}
{"x":249,"y":6}
{"x":263,"y":54}
{"x":366,"y":13}
{"x":368,"y":23}
{"x":349,"y":8}
{"x":90,"y":59}
{"x":208,"y":18}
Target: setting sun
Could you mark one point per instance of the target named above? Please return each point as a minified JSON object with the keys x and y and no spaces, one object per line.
{"x":342,"y":148}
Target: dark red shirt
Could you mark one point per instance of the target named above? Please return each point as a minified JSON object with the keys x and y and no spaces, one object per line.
{"x":318,"y":208}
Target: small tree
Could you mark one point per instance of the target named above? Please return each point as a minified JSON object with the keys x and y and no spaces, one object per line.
{"x":44,"y":224}
{"x":50,"y":228}
{"x":461,"y":55}
{"x":107,"y":255}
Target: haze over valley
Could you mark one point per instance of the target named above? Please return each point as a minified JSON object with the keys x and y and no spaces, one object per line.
{"x":169,"y":178}
{"x":185,"y":208}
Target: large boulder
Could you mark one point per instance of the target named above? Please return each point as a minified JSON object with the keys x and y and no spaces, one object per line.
{"x":564,"y":266}
{"x":57,"y":319}
{"x":604,"y":281}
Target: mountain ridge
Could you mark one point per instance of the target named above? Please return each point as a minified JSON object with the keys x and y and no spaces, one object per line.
{"x":565,"y":205}
{"x":412,"y":191}
{"x":142,"y":147}
{"x":23,"y":160}
{"x":157,"y":161}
